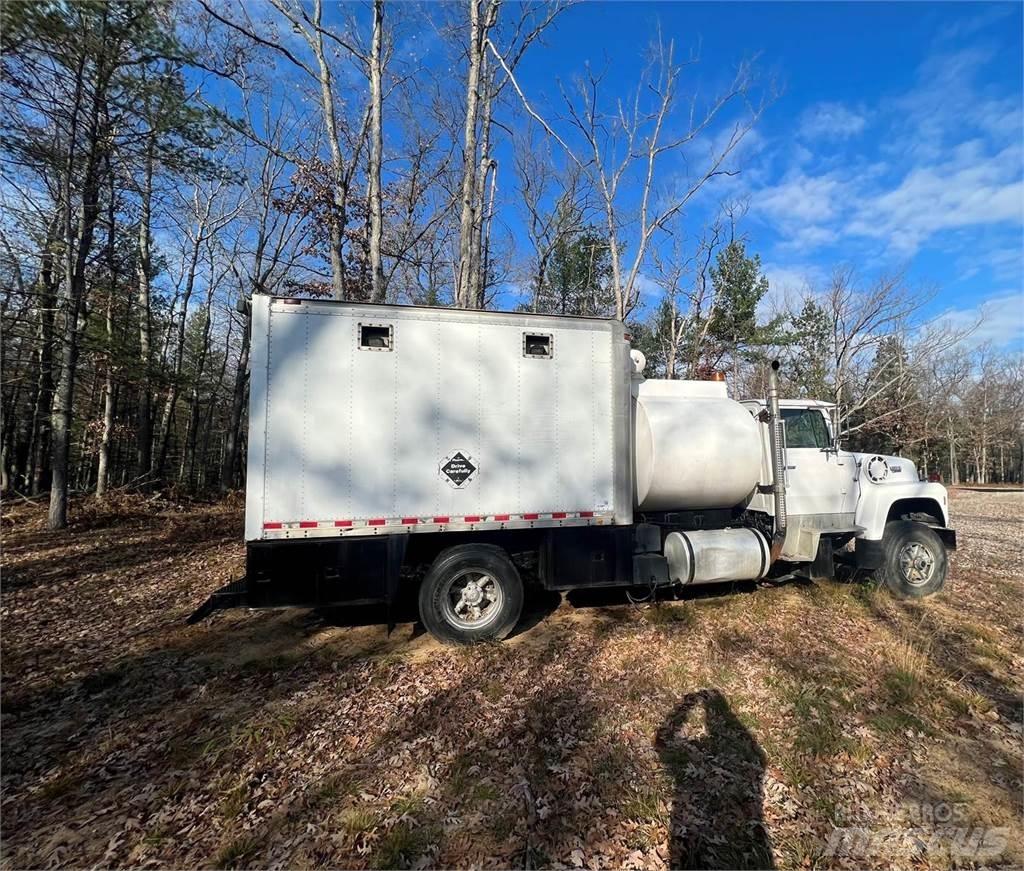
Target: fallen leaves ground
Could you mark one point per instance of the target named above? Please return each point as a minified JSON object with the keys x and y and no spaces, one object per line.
{"x":751,"y":723}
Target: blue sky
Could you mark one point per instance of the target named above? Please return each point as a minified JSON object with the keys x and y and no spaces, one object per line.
{"x":896,"y":139}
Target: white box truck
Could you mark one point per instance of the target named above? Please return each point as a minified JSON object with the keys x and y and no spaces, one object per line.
{"x":472,"y":452}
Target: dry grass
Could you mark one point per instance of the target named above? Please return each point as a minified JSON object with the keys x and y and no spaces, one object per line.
{"x":736,"y":728}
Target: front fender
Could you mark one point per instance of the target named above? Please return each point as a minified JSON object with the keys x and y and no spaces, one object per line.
{"x":876,"y":500}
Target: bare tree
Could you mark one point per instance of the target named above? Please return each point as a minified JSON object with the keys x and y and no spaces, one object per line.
{"x":623,"y":146}
{"x":554,"y":205}
{"x":375,"y":65}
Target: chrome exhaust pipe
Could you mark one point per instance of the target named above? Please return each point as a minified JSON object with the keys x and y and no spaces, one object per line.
{"x":777,"y":444}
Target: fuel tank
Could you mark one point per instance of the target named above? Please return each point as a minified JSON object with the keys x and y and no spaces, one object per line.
{"x":693,"y":446}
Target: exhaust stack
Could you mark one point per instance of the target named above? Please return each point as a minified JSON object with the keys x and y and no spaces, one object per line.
{"x":777,"y":444}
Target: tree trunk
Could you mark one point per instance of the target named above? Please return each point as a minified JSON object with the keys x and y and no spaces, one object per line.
{"x":72,"y":305}
{"x":477,"y":279}
{"x":337,"y":220}
{"x":144,"y":426}
{"x":228,"y":477}
{"x":479,"y":27}
{"x":39,"y":442}
{"x":376,"y":151}
{"x":191,"y":428}
{"x":76,"y":261}
{"x":164,"y":436}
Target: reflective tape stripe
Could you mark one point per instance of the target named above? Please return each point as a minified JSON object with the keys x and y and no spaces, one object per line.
{"x":435,"y":519}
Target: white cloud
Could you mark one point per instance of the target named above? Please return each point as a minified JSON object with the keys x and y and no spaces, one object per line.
{"x":801,"y":198}
{"x":831,"y":121}
{"x":970,"y":190}
{"x":649,"y":290}
{"x":787,"y":285}
{"x":998,"y":320}
{"x":948,"y":160}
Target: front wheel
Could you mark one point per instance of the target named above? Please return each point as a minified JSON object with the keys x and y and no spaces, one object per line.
{"x":472,"y":593}
{"x":915,"y":562}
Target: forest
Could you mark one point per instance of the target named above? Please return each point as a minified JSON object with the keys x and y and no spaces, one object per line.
{"x":163,"y":162}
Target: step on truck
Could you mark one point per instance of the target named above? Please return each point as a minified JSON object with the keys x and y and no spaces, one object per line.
{"x":471,"y":453}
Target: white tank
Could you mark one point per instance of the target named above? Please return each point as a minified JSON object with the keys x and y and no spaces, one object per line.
{"x":695,"y":447}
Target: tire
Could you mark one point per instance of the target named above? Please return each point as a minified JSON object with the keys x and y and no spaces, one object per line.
{"x":914,"y":560}
{"x":472,"y":593}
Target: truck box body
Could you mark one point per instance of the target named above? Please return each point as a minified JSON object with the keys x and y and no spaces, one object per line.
{"x":369,"y":420}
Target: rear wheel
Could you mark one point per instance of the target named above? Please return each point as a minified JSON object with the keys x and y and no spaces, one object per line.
{"x":472,"y":593}
{"x":915,"y":562}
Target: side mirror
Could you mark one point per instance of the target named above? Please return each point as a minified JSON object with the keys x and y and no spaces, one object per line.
{"x":838,"y":419}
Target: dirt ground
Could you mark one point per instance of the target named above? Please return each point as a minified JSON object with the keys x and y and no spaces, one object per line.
{"x":797,"y":725}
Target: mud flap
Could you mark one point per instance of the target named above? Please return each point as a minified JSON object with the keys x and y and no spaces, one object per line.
{"x":823,"y":567}
{"x":233,"y":595}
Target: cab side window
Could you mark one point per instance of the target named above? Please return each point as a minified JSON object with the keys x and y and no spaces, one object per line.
{"x":805,"y":428}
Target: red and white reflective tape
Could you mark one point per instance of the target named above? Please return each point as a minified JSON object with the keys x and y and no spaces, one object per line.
{"x":434,"y":520}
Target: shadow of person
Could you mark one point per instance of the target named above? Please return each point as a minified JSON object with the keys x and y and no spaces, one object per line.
{"x":718,"y":769}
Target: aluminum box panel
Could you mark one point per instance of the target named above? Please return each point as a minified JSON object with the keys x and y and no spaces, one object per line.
{"x":344,"y":435}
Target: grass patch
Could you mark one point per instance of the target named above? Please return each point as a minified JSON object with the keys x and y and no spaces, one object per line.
{"x":669,"y":614}
{"x":733,"y":641}
{"x":463,"y":784}
{"x":234,"y":800}
{"x":613,"y":765}
{"x":409,"y":805}
{"x":59,"y":786}
{"x":356,"y":820}
{"x":897,"y":722}
{"x":643,"y":804}
{"x":902,"y":687}
{"x":494,"y":690}
{"x":643,"y":838}
{"x":334,"y":787}
{"x":268,"y":728}
{"x":402,"y":845}
{"x":818,"y":731}
{"x":236,"y":852}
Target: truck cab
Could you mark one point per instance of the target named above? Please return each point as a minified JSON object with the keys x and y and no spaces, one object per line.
{"x":896,"y":524}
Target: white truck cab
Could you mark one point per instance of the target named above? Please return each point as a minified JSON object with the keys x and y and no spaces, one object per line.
{"x":875,"y":501}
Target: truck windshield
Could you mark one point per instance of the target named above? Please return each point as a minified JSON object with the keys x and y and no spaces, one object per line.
{"x":805,"y":428}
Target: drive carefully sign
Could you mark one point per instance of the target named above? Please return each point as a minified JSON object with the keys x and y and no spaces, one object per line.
{"x":458,"y":469}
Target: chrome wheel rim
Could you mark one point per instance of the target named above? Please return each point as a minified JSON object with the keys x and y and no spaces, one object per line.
{"x":917,"y":564}
{"x":472,"y":599}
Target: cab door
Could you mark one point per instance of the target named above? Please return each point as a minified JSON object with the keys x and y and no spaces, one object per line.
{"x":820,"y":480}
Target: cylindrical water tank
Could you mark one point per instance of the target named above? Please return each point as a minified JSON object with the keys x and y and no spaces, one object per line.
{"x":695,"y":448}
{"x":709,"y":555}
